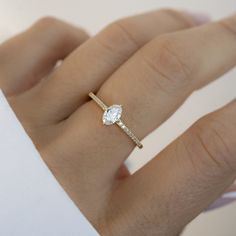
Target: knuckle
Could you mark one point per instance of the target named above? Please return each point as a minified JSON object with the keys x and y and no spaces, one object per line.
{"x":117,"y":38}
{"x":125,"y":30}
{"x":185,"y":20}
{"x":213,"y":138}
{"x":229,"y":25}
{"x":47,"y":22}
{"x":56,"y":29}
{"x":167,"y":60}
{"x":168,"y":11}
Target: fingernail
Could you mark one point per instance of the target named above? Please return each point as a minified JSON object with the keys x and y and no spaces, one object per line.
{"x":220,"y":203}
{"x":230,"y":195}
{"x":226,"y":199}
{"x":199,"y":18}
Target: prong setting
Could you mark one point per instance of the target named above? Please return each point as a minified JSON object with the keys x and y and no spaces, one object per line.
{"x":112,"y":114}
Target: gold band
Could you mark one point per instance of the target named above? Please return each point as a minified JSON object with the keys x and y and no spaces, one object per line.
{"x":117,"y":120}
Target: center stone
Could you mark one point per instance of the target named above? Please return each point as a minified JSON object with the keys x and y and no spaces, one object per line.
{"x":112,"y":114}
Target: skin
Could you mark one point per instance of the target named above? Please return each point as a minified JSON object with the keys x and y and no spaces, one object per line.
{"x":149,"y":63}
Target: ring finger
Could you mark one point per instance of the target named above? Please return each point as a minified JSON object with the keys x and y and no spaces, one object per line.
{"x":151,"y":86}
{"x":91,"y":64}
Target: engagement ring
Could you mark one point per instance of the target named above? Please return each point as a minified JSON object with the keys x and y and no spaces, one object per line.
{"x":112,"y":115}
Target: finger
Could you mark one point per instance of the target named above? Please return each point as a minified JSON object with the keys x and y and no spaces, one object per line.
{"x":30,"y":55}
{"x":90,"y":65}
{"x":151,"y":86}
{"x":188,"y":175}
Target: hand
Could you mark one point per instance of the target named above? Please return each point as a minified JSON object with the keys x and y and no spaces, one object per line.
{"x":150,"y":65}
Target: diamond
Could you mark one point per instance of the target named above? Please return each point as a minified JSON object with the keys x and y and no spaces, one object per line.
{"x":112,"y":114}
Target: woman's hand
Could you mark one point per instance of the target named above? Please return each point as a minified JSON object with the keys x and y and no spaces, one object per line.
{"x":150,"y":64}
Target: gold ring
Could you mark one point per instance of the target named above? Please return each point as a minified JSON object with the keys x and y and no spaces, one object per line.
{"x":112,"y":115}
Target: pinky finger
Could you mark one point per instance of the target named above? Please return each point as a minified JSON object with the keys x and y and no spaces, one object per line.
{"x":29,"y":56}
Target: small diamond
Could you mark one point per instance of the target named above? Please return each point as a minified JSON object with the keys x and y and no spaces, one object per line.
{"x":112,"y":114}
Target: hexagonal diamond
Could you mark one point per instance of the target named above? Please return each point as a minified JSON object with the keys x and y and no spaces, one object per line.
{"x":112,"y":114}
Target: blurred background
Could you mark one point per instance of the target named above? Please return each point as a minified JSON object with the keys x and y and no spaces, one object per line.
{"x":16,"y":15}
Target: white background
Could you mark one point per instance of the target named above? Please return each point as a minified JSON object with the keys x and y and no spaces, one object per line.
{"x":15,"y":15}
